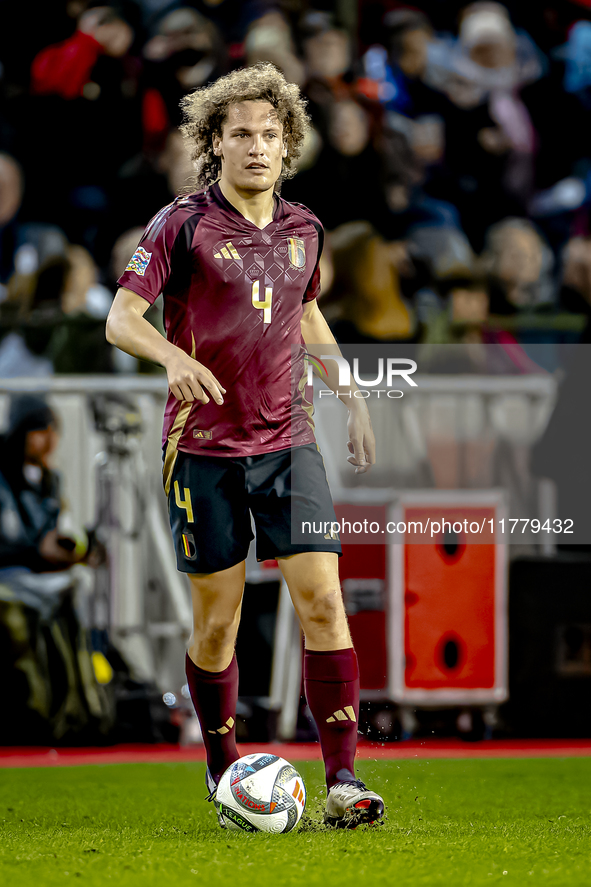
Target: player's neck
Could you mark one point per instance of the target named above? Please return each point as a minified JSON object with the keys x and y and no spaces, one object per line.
{"x":256,"y":206}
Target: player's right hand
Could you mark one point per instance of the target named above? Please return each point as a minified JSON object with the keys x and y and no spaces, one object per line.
{"x":190,"y":381}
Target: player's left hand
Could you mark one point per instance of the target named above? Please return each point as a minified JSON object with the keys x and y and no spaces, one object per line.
{"x":362,"y":443}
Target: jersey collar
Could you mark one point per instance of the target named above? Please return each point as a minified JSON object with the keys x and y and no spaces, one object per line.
{"x":219,"y":197}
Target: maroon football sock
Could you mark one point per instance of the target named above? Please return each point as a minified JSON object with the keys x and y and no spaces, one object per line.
{"x":214,"y":696}
{"x":332,"y":690}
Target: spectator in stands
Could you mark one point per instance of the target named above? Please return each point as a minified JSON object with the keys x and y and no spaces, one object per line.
{"x":45,"y":650}
{"x":445,"y":250}
{"x":11,"y":191}
{"x":185,"y":53}
{"x":269,"y":39}
{"x":366,"y":288}
{"x":396,"y":78}
{"x":76,"y":345}
{"x":123,"y":249}
{"x":487,"y":62}
{"x":440,"y":134}
{"x":82,"y":293}
{"x":518,"y":263}
{"x":461,"y":316}
{"x":39,"y":267}
{"x":560,"y":108}
{"x":345,"y":182}
{"x":491,"y":142}
{"x":146,"y":183}
{"x":29,"y":492}
{"x":232,"y":18}
{"x":326,"y":49}
{"x":65,"y":69}
{"x":28,"y":28}
{"x":409,"y":205}
{"x":575,"y":294}
{"x":82,"y":91}
{"x":53,"y":318}
{"x":465,"y":321}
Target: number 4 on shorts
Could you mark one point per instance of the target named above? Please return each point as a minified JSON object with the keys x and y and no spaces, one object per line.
{"x":185,"y":503}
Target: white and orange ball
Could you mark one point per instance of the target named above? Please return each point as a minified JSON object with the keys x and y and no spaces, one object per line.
{"x":261,"y":793}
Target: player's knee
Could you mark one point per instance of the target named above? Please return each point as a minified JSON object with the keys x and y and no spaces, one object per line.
{"x":216,"y":632}
{"x":324,"y":612}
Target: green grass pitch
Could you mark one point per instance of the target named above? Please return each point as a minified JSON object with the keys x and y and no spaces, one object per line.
{"x":452,"y":822}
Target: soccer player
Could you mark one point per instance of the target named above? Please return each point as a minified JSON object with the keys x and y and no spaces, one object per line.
{"x":238,"y":268}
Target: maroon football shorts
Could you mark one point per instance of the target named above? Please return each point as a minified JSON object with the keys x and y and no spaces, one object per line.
{"x":212,"y":499}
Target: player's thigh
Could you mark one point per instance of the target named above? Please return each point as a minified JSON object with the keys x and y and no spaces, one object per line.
{"x":287,"y":491}
{"x":313,"y":581}
{"x":208,"y":511}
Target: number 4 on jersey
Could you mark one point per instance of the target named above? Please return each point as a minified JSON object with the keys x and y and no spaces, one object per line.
{"x":266,"y":305}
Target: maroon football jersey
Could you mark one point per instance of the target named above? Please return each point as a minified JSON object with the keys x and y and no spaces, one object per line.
{"x":233,"y":299}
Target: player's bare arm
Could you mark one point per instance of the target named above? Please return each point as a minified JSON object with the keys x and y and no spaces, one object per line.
{"x":362,"y":444}
{"x":128,"y":329}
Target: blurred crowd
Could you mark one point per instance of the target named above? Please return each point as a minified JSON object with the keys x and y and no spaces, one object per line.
{"x":449,"y":160}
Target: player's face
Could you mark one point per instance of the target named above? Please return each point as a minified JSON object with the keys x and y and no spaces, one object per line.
{"x":251,"y":147}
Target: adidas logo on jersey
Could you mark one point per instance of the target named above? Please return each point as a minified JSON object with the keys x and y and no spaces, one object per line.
{"x":227,"y":252}
{"x":347,"y":715}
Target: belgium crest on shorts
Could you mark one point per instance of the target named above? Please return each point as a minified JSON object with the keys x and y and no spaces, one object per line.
{"x":297,"y":252}
{"x":189,"y":548}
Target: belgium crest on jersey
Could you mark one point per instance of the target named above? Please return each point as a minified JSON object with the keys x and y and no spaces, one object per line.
{"x":297,"y":252}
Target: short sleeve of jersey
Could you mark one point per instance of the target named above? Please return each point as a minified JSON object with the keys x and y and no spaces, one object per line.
{"x":313,"y":288}
{"x":149,"y":268}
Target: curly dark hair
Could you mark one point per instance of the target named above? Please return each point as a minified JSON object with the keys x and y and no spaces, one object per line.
{"x":206,"y":109}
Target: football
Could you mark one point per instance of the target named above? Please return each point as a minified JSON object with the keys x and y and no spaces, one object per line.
{"x":261,"y":793}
